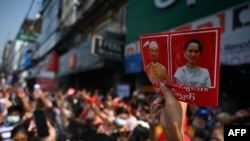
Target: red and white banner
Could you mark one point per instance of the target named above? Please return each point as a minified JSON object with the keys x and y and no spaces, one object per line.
{"x":187,"y":61}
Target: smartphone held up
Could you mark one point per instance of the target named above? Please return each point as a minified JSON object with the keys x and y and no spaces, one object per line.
{"x":41,"y":123}
{"x":36,"y":89}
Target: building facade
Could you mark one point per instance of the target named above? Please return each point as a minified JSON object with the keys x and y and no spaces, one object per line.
{"x":68,"y":30}
{"x":82,"y":66}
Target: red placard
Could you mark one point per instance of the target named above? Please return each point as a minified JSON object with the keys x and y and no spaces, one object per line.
{"x":188,"y":62}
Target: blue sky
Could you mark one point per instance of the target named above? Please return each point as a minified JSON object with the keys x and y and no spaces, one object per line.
{"x":12,"y":14}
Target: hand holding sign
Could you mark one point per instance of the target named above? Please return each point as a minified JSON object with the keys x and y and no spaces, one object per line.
{"x":171,"y":114}
{"x":187,"y":61}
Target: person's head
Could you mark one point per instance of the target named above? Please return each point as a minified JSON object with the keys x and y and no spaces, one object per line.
{"x":193,"y":49}
{"x":77,"y":110}
{"x":14,"y":114}
{"x":78,"y":131}
{"x":20,"y":133}
{"x":121,"y":122}
{"x":140,"y":133}
{"x":201,"y":135}
{"x":200,"y":118}
{"x":153,"y":49}
{"x":122,"y":115}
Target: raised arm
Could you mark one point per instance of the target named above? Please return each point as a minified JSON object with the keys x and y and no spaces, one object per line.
{"x":23,"y":97}
{"x":172,"y":114}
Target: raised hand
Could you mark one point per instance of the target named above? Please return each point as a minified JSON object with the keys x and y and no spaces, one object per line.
{"x":172,"y":114}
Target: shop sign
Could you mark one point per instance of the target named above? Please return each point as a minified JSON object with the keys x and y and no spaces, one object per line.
{"x":50,"y":63}
{"x":26,"y":37}
{"x":151,"y":16}
{"x":168,"y":3}
{"x":48,"y":83}
{"x":46,"y":79}
{"x":107,"y":48}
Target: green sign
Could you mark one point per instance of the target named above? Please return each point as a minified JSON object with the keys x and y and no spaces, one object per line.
{"x":26,"y":37}
{"x":150,"y":16}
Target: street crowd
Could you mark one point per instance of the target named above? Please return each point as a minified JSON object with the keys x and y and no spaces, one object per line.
{"x":89,"y":115}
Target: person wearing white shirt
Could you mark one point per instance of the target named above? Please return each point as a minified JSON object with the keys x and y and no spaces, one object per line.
{"x":191,"y":74}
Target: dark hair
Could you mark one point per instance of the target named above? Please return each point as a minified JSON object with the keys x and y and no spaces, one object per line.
{"x":140,"y":133}
{"x":21,"y":128}
{"x":203,"y":134}
{"x":77,"y":110}
{"x":200,"y":46}
{"x":99,"y":137}
{"x":78,"y":131}
{"x":16,"y":108}
{"x":121,"y":110}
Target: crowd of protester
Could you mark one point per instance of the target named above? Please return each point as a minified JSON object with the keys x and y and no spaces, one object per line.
{"x":88,"y":115}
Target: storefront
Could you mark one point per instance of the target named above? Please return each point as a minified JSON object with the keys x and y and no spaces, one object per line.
{"x":79,"y":68}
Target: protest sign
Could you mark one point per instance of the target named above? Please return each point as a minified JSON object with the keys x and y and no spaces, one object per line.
{"x":188,"y":62}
